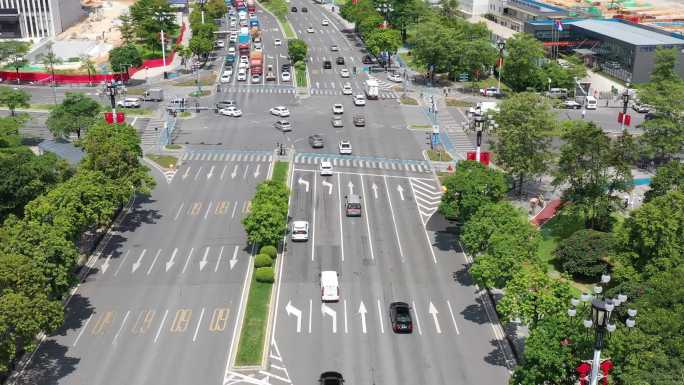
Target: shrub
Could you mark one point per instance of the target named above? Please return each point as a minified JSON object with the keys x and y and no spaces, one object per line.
{"x":264,"y":274}
{"x":269,"y":250}
{"x":583,"y":253}
{"x":262,"y":260}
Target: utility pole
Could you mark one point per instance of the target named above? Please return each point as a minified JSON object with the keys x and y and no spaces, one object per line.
{"x":502,"y":45}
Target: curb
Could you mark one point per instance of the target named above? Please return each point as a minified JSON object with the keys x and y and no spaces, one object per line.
{"x":244,"y":297}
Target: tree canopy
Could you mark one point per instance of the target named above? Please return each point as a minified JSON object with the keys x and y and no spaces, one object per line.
{"x":74,"y":115}
{"x":14,"y":98}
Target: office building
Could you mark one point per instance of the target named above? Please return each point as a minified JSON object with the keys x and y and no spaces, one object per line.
{"x":37,"y":19}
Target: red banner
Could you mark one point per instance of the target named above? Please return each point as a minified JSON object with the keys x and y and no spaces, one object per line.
{"x":484,"y":157}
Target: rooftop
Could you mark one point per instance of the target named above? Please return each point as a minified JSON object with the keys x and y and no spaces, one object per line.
{"x":628,"y":33}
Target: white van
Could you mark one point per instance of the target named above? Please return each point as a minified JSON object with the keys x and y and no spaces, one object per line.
{"x":591,"y":102}
{"x":330,"y":289}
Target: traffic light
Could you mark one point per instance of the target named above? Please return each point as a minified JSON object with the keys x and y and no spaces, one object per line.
{"x":197,"y":109}
{"x":182,"y":105}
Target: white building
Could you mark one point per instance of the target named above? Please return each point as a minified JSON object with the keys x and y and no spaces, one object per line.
{"x":473,"y":8}
{"x":37,"y":19}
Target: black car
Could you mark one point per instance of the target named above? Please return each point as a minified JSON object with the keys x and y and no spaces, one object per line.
{"x":400,"y":317}
{"x":285,"y":67}
{"x":316,"y":141}
{"x":359,"y":120}
{"x":368,"y":59}
{"x":293,"y":9}
{"x":305,"y":10}
{"x":225,"y":104}
{"x":331,"y":378}
{"x":339,"y":60}
{"x":327,"y":65}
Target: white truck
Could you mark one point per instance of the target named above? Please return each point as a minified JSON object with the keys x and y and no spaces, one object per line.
{"x":372,"y":89}
{"x":154,"y":94}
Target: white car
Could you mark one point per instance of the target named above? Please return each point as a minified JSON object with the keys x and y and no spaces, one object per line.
{"x":242,"y":75}
{"x":395,"y":77}
{"x":345,"y":147}
{"x":277,"y":42}
{"x":489,"y":91}
{"x":330,"y":287}
{"x":325,"y":22}
{"x":233,"y":38}
{"x":220,"y":44}
{"x":129,"y":103}
{"x":347,"y":89}
{"x":257,"y":46}
{"x":283,"y":125}
{"x":310,"y":30}
{"x":231,"y":51}
{"x":281,"y":111}
{"x":571,"y":104}
{"x":334,"y":48}
{"x":244,"y":59}
{"x":231,"y":111}
{"x":242,"y":66}
{"x":225,"y":77}
{"x":300,"y":231}
{"x":338,"y":108}
{"x":359,"y":100}
{"x":344,"y":73}
{"x":256,"y":78}
{"x":326,"y":168}
{"x":285,"y":75}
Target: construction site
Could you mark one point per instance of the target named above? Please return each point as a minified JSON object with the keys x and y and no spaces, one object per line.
{"x":664,"y":14}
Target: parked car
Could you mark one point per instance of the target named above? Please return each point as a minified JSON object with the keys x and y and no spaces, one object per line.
{"x":400,"y":317}
{"x":316,"y":141}
{"x":281,"y":111}
{"x":231,"y":111}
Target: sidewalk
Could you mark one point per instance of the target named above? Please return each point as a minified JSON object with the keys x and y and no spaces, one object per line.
{"x":158,"y":72}
{"x":340,"y":19}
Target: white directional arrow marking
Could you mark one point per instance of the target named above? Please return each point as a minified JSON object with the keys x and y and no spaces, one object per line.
{"x":211,"y":173}
{"x":375,"y":190}
{"x":234,"y":173}
{"x":203,"y":262}
{"x":351,"y":187}
{"x":317,"y":85}
{"x":304,"y":182}
{"x":432,"y":310}
{"x":362,"y":312}
{"x":401,"y":191}
{"x":325,"y":309}
{"x":233,"y":260}
{"x":187,"y":170}
{"x":329,"y":186}
{"x":105,"y":265}
{"x":171,"y":262}
{"x":137,"y":263}
{"x":291,"y":310}
{"x":256,"y":173}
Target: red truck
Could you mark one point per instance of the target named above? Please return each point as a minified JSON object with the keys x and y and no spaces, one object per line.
{"x":256,"y":63}
{"x":251,"y":6}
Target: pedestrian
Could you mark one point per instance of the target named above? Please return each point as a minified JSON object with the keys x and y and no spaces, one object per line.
{"x":584,"y":113}
{"x":446,"y":91}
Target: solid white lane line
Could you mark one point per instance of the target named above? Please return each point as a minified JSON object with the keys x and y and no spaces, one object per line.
{"x":121,"y":327}
{"x":415,"y":313}
{"x":345,"y":317}
{"x":339,"y":205}
{"x":396,"y":230}
{"x":187,"y":261}
{"x":199,"y":322}
{"x":156,"y":336}
{"x":154,"y":261}
{"x":452,"y":317}
{"x":234,"y":208}
{"x":208,"y":209}
{"x":382,"y":326}
{"x":122,"y":262}
{"x":310,"y":311}
{"x":313,"y":227}
{"x":218,"y":261}
{"x":82,"y":330}
{"x":179,"y":211}
{"x":370,"y":236}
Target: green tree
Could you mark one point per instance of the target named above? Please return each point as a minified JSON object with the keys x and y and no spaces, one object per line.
{"x":476,"y":57}
{"x":664,"y":65}
{"x":50,"y":253}
{"x":88,"y":65}
{"x":49,"y":60}
{"x":127,"y":29}
{"x":492,"y":218}
{"x":433,"y":44}
{"x":655,"y":233}
{"x":115,"y":151}
{"x":9,"y":131}
{"x":449,"y":8}
{"x":215,"y":9}
{"x":14,"y":98}
{"x":383,"y":40}
{"x":10,"y":48}
{"x":584,"y":253}
{"x":522,"y":67}
{"x":507,"y":252}
{"x":265,"y":224}
{"x":206,"y":30}
{"x":521,"y":143}
{"x":24,"y":176}
{"x":185,"y":53}
{"x":124,"y":57}
{"x":149,"y":18}
{"x":586,"y":165}
{"x":75,"y":114}
{"x":663,"y":137}
{"x":201,"y":45}
{"x":562,"y":77}
{"x":668,"y":177}
{"x":470,"y":187}
{"x":406,"y":13}
{"x":297,"y":49}
{"x":532,"y":295}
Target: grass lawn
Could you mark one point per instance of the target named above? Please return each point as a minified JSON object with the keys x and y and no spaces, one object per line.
{"x":196,"y":93}
{"x":185,"y":114}
{"x":438,"y":155}
{"x":423,"y":127}
{"x":133,"y":111}
{"x":254,"y":326}
{"x":287,"y":29}
{"x":174,"y":146}
{"x":42,"y":106}
{"x":408,"y":101}
{"x":452,"y":102}
{"x":165,"y":161}
{"x":135,"y":91}
{"x":301,"y":77}
{"x":204,"y":80}
{"x":280,"y":171}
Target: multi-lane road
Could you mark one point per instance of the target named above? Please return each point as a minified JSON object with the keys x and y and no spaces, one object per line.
{"x":160,"y":298}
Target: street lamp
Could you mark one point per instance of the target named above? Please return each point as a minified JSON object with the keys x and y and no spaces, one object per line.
{"x":201,"y":4}
{"x":161,"y":16}
{"x":111,"y":90}
{"x":502,"y":45}
{"x":480,"y":124}
{"x":601,"y":311}
{"x":625,"y":103}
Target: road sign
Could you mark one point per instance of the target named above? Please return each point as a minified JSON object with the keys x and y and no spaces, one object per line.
{"x":463,"y":77}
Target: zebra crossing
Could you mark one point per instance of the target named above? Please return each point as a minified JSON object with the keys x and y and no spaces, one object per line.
{"x":324,"y":91}
{"x":259,"y":89}
{"x":364,"y":162}
{"x":456,"y":138}
{"x":227,"y":156}
{"x":383,"y":84}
